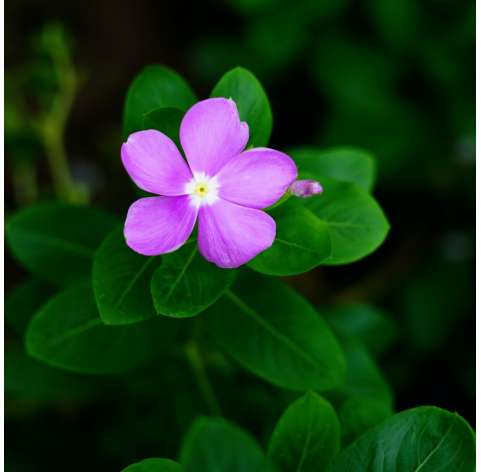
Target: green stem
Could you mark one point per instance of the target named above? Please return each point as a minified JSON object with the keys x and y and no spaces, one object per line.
{"x":196,"y":361}
{"x":52,"y":130}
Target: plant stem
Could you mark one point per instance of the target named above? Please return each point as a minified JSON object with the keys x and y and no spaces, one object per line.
{"x":196,"y":361}
{"x":52,"y":130}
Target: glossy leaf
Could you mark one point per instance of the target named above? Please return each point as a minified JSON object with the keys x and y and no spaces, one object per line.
{"x":272,"y":331}
{"x":422,"y":439}
{"x":307,"y":436}
{"x":155,"y":87}
{"x":56,"y":241}
{"x":344,"y":164}
{"x":356,"y":222}
{"x":166,"y":120}
{"x":213,"y":444}
{"x":302,"y":242}
{"x":121,"y":280}
{"x":154,"y":465}
{"x":67,"y":332}
{"x":23,"y":302}
{"x":186,"y":284}
{"x":252,"y":103}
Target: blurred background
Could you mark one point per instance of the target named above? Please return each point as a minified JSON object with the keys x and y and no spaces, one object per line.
{"x":393,"y":77}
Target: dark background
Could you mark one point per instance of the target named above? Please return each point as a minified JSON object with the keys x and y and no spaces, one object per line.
{"x":394,"y":77}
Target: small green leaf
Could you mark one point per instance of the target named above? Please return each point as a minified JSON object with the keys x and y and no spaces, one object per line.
{"x":56,"y":241}
{"x":356,"y":222}
{"x":215,"y":445}
{"x":68,"y":333}
{"x":155,"y":87}
{"x":426,"y":439}
{"x":23,"y":301}
{"x":302,"y":242}
{"x":272,"y":331}
{"x":121,"y":282}
{"x":252,"y":103}
{"x":166,"y":120}
{"x":154,"y":465}
{"x":307,"y":436}
{"x":186,"y":284}
{"x":343,"y":164}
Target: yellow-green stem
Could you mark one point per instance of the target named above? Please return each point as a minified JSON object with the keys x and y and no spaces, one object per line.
{"x":196,"y":361}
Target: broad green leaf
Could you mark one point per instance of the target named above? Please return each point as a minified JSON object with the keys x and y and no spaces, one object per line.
{"x":166,"y":120}
{"x":23,"y":301}
{"x":344,"y":164}
{"x":56,"y":241}
{"x":252,"y":103}
{"x":302,"y":242}
{"x":424,"y":439}
{"x":121,"y":282}
{"x":365,"y":399}
{"x":356,"y":222}
{"x":30,"y":380}
{"x":307,"y":436}
{"x":155,"y":87}
{"x":272,"y":331}
{"x":369,"y":325}
{"x":68,"y":333}
{"x":154,"y":465}
{"x":215,"y":445}
{"x":186,"y":284}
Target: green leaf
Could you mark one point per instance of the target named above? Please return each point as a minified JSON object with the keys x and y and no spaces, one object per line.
{"x":344,"y":164}
{"x":302,"y":242}
{"x":272,"y":331}
{"x":67,"y":332}
{"x":252,"y":103}
{"x":186,"y":284}
{"x":155,"y":87}
{"x":215,"y":445}
{"x":23,"y":301}
{"x":29,"y":380}
{"x":356,"y":222}
{"x":422,"y":439}
{"x":166,"y":120}
{"x":56,"y":241}
{"x":154,"y":465}
{"x":307,"y":436}
{"x":121,"y":282}
{"x":369,"y":325}
{"x":365,"y":399}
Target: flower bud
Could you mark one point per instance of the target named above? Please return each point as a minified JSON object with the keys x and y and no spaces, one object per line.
{"x":305,"y":188}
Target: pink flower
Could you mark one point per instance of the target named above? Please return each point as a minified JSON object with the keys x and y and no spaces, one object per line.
{"x":221,"y":185}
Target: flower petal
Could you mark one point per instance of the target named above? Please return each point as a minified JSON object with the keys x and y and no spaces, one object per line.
{"x":157,"y":225}
{"x":154,"y":163}
{"x":256,"y":178}
{"x":231,"y":235}
{"x":211,"y":133}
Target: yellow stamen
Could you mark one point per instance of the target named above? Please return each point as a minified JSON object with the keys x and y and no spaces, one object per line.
{"x":201,"y":189}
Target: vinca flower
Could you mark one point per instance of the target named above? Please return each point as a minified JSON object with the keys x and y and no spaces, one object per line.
{"x":221,"y":186}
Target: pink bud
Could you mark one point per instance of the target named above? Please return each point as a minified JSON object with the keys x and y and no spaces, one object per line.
{"x":305,"y":188}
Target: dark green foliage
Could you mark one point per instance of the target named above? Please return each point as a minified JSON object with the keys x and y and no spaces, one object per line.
{"x":56,"y":241}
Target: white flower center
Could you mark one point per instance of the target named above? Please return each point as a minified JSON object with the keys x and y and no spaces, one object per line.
{"x":202,"y":189}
